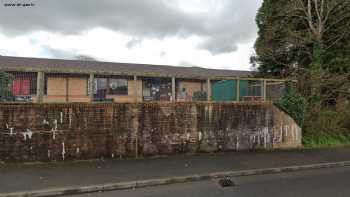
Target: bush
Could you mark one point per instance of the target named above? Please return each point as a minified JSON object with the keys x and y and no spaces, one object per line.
{"x":324,"y":138}
{"x":293,"y":104}
{"x":326,"y":127}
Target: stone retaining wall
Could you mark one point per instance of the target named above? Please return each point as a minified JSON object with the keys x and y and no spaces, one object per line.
{"x":47,"y":132}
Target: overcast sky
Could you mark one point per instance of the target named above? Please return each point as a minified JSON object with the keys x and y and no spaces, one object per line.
{"x":206,"y":33}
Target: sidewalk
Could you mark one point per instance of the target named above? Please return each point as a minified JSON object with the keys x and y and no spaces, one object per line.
{"x":17,"y":178}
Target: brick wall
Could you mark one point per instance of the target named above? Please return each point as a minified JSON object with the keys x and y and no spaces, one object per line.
{"x":46,"y":132}
{"x":57,"y":89}
{"x":191,"y":87}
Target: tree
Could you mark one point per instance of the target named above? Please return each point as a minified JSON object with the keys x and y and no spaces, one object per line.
{"x":308,"y":40}
{"x":299,"y":34}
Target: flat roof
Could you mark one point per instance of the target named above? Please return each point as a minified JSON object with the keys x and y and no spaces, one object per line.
{"x":27,"y":64}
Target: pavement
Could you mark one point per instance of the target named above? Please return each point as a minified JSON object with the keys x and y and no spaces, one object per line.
{"x":314,"y":183}
{"x":31,"y":177}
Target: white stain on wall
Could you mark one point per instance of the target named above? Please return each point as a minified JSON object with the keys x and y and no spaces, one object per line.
{"x":61,"y":117}
{"x":28,"y":134}
{"x":63,"y":151}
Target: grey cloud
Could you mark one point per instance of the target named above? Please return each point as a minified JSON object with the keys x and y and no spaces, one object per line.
{"x":218,"y":45}
{"x":187,"y":64}
{"x":3,"y":52}
{"x":58,"y":53}
{"x":133,"y":43}
{"x":162,"y":54}
{"x":66,"y":54}
{"x":223,"y":27}
{"x":85,"y":58}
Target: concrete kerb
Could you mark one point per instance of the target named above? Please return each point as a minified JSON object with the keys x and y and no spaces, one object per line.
{"x":167,"y":181}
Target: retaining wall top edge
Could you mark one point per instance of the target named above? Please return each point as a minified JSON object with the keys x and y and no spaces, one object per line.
{"x":140,"y":103}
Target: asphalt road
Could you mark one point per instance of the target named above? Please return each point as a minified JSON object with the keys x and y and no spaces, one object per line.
{"x":19,"y":177}
{"x":319,"y":183}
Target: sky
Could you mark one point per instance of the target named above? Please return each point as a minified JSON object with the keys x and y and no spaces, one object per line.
{"x":216,"y":34}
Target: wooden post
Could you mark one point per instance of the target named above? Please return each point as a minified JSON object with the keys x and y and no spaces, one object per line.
{"x":91,"y":86}
{"x":237,"y":89}
{"x":208,"y":90}
{"x":136,"y":89}
{"x":173,"y":91}
{"x":40,"y":83}
{"x":263,"y":90}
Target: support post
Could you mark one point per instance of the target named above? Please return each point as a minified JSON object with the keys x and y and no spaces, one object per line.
{"x":136,"y":89}
{"x":237,"y":89}
{"x":208,"y":90}
{"x":263,"y":90}
{"x":91,"y":87}
{"x":40,"y":83}
{"x":173,"y":91}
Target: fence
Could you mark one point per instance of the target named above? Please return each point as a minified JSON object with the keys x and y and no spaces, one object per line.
{"x":248,"y":90}
{"x":69,"y":88}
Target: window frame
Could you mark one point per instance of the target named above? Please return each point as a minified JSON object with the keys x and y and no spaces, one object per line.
{"x":107,"y":87}
{"x":123,"y":88}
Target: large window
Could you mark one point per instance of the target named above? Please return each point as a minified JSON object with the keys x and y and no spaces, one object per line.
{"x":112,"y":86}
{"x":118,"y":86}
{"x":156,"y":90}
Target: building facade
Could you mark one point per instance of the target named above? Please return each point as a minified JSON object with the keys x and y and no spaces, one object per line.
{"x":62,"y":81}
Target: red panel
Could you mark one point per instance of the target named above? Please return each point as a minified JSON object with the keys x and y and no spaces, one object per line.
{"x":25,"y":87}
{"x":16,"y":87}
{"x":21,"y":87}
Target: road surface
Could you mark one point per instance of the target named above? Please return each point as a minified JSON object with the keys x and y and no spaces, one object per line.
{"x":319,"y":183}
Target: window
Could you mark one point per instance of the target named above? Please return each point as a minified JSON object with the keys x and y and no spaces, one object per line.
{"x":24,"y":87}
{"x":147,"y":89}
{"x":112,"y":86}
{"x":118,"y":86}
{"x":156,"y":90}
{"x":100,"y":84}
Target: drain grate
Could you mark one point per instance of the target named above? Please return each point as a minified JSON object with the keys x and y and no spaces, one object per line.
{"x":226,"y":182}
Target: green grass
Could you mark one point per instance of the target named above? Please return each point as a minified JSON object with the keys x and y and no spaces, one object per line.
{"x":325,"y":139}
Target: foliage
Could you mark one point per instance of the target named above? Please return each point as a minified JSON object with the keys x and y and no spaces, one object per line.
{"x":320,"y":138}
{"x":293,"y":104}
{"x":5,"y":86}
{"x":199,"y":96}
{"x":327,"y":119}
{"x":295,"y":35}
{"x":309,"y":40}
